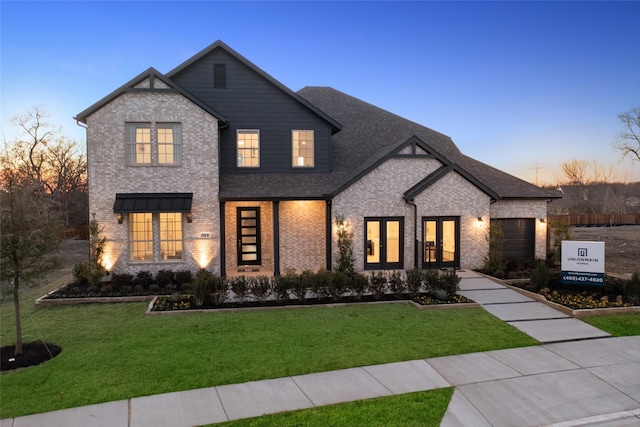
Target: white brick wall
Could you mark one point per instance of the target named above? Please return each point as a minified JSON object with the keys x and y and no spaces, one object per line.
{"x":109,"y":174}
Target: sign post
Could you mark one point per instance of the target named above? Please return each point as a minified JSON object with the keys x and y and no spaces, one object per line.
{"x":583,"y":263}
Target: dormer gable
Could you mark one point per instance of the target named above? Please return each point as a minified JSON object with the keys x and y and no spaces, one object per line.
{"x":150,"y":80}
{"x":194,"y":64}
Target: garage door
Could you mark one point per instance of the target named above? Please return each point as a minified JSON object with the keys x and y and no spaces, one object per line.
{"x":519,"y":238}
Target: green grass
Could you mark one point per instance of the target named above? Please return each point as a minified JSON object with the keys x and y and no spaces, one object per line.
{"x":113,"y":352}
{"x":422,"y":409}
{"x":619,"y":325}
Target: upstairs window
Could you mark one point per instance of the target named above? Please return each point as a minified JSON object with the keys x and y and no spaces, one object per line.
{"x":149,"y":143}
{"x":169,"y":143}
{"x":302,"y":149}
{"x":139,"y":143}
{"x":248,"y":148}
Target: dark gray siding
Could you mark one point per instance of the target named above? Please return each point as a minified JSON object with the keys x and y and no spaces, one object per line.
{"x":252,"y":102}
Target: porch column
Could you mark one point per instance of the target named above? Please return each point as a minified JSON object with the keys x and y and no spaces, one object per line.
{"x":328,"y":235}
{"x":276,"y":238}
{"x":223,"y":246}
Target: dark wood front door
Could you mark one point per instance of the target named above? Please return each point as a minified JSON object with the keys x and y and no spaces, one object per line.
{"x":248,"y":236}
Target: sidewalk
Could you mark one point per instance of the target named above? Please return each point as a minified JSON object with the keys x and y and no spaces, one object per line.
{"x":577,"y":382}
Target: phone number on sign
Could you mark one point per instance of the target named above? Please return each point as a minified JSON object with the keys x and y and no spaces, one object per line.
{"x":583,"y":279}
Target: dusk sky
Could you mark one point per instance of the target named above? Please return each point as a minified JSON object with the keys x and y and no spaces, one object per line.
{"x":516,"y":85}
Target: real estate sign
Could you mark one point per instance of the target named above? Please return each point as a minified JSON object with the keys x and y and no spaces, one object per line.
{"x":583,"y":263}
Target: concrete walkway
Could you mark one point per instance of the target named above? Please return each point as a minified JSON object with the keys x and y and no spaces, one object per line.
{"x":534,"y":318}
{"x":576,"y":382}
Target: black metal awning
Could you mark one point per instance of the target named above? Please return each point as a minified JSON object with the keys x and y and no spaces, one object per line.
{"x":152,"y":202}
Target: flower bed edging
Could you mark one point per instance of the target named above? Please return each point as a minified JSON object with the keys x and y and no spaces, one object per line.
{"x":149,"y":311}
{"x":43,"y":301}
{"x":577,"y":313}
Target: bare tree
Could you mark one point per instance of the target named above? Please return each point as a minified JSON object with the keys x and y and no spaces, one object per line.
{"x":51,"y":161}
{"x":628,"y":142}
{"x":29,"y":233}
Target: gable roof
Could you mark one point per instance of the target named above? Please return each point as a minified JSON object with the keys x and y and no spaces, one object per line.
{"x":440,"y":173}
{"x":335,"y":125}
{"x":132,"y":86}
{"x":368,"y":129}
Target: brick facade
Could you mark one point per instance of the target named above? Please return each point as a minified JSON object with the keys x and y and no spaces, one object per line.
{"x":109,"y":174}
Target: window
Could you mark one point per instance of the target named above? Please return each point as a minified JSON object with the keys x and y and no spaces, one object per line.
{"x":142,"y":141}
{"x":248,"y":148}
{"x":169,"y":143}
{"x":141,"y":237}
{"x":384,"y":243}
{"x":170,"y":235}
{"x":302,"y":148}
{"x":139,"y":143}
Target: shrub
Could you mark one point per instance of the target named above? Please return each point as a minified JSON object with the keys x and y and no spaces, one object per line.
{"x":345,"y":262}
{"x":301,"y":284}
{"x":431,"y":279}
{"x":632,"y":287}
{"x":377,"y":284}
{"x":183,"y":276}
{"x":359,"y":284}
{"x":143,"y":278}
{"x":81,"y":273}
{"x":539,"y":276}
{"x":561,"y":230}
{"x":441,"y":294}
{"x":397,"y":284}
{"x":283,"y":283}
{"x":338,"y":284}
{"x":202,"y":286}
{"x":448,"y":282}
{"x":321,"y":283}
{"x":165,"y":277}
{"x":260,"y":288}
{"x":240,"y":287}
{"x":493,"y":262}
{"x":218,"y":290}
{"x":120,"y":280}
{"x":154,"y":288}
{"x":414,"y":281}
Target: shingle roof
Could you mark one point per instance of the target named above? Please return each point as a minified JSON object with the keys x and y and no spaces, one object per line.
{"x":369,"y":131}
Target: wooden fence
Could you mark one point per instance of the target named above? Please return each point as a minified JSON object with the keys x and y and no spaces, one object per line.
{"x":597,"y":219}
{"x":80,"y":232}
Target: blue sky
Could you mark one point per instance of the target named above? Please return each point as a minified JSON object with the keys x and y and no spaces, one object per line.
{"x":517,"y":85}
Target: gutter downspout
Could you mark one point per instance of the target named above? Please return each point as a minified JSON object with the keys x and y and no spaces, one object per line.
{"x":415,"y":232}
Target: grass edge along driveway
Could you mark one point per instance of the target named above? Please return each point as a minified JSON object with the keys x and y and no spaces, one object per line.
{"x":113,"y":352}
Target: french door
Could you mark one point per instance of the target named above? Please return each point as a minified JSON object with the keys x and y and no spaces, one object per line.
{"x":248,"y":220}
{"x":384,"y":243}
{"x":441,"y":242}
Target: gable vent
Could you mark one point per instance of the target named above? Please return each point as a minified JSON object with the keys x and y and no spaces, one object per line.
{"x":219,"y":75}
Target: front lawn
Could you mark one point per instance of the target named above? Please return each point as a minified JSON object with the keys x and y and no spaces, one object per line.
{"x":424,"y":409}
{"x":620,"y":325}
{"x":113,"y":352}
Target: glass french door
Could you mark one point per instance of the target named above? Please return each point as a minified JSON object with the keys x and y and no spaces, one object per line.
{"x":248,"y":236}
{"x":384,"y":243}
{"x":441,"y":242}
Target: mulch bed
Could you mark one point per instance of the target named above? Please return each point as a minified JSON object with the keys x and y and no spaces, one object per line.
{"x":33,"y":353}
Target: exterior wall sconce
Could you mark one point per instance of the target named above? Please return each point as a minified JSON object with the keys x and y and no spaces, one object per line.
{"x":480,"y":219}
{"x":542,"y":220}
{"x":120,"y":217}
{"x":189,"y":217}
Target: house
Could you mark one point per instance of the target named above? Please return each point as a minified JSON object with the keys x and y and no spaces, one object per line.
{"x":217,"y":165}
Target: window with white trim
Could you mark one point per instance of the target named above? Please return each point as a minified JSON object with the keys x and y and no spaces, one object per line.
{"x":139,"y":143}
{"x":302,"y":148}
{"x":248,"y":148}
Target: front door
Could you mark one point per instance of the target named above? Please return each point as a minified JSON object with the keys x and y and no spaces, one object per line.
{"x":248,"y":236}
{"x":441,"y":238}
{"x":384,"y":243}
